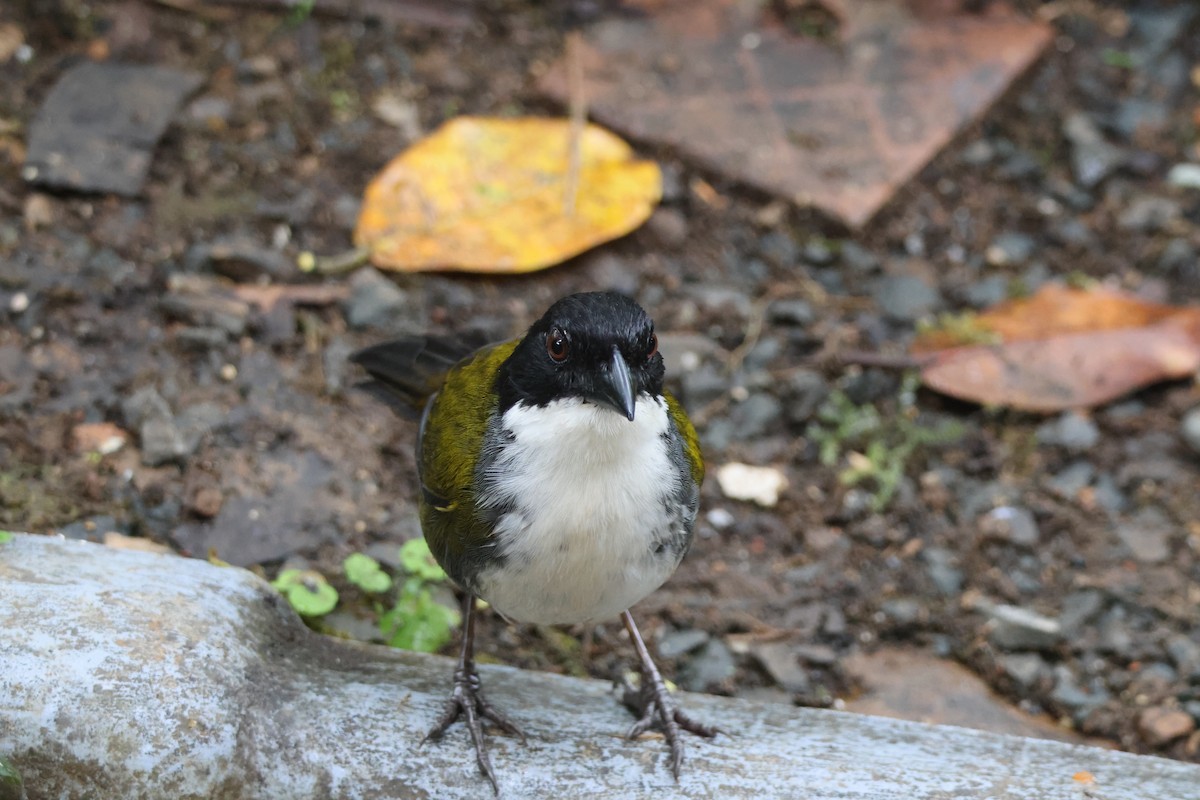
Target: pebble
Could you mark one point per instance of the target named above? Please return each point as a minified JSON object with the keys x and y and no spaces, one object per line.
{"x":791,"y":312}
{"x":778,"y":249}
{"x":818,"y":252}
{"x":760,"y":485}
{"x":943,"y":570}
{"x":807,"y":390}
{"x":701,"y":385}
{"x":1092,"y":157}
{"x":1072,"y":430}
{"x":1147,"y":534}
{"x":1148,"y":214}
{"x":1024,"y":669}
{"x":1079,"y":609}
{"x":1072,"y":480}
{"x":1069,"y":694}
{"x":162,"y":442}
{"x":904,"y":298}
{"x":780,"y":661}
{"x":988,"y":292}
{"x":1016,"y":628}
{"x":146,"y":403}
{"x":1184,"y":176}
{"x":1115,"y":636}
{"x":673,"y":644}
{"x":1010,"y":248}
{"x":1184,"y":651}
{"x":755,"y":417}
{"x":1160,"y":726}
{"x":241,"y":259}
{"x":374,"y":301}
{"x":711,"y":665}
{"x":1189,"y":429}
{"x":1011,"y":524}
{"x":669,"y":226}
{"x":901,"y":611}
{"x":858,"y":258}
{"x":1178,"y":258}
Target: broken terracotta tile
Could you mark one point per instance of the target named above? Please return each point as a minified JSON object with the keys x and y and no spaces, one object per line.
{"x":837,"y":124}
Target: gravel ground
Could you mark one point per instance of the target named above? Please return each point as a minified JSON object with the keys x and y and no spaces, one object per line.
{"x":1056,"y":558}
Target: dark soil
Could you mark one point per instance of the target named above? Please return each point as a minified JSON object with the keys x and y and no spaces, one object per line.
{"x":269,"y":456}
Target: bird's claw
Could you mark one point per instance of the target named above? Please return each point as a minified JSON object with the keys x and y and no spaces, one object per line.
{"x":467,"y":700}
{"x":652,"y":702}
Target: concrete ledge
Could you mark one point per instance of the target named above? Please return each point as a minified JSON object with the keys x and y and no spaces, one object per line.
{"x":131,"y":675}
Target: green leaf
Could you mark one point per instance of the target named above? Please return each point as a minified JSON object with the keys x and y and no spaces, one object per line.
{"x":418,"y":622}
{"x":417,"y":560}
{"x":5,"y":536}
{"x":10,"y":779}
{"x":307,"y":591}
{"x":365,"y":573}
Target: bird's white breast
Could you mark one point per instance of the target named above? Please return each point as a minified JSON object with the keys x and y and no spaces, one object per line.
{"x":589,"y":494}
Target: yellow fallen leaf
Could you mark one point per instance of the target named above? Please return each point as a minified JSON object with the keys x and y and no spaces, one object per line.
{"x":489,"y":195}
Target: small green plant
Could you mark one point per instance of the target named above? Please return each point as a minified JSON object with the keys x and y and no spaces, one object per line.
{"x":5,"y":536}
{"x":417,"y":621}
{"x":1118,"y":58}
{"x":876,"y":450}
{"x":307,"y":591}
{"x":365,"y":573}
{"x":10,"y":780}
{"x":962,"y":329}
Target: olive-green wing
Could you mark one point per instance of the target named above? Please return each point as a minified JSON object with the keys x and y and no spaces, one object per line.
{"x":691,"y":442}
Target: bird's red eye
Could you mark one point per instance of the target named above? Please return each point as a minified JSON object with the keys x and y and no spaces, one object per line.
{"x":653,"y":347}
{"x":556,"y":345}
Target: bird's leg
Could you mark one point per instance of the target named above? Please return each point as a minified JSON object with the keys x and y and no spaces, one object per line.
{"x":652,"y":701}
{"x":467,"y":700}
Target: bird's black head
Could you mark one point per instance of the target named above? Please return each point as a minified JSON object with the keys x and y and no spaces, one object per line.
{"x":598,"y":346}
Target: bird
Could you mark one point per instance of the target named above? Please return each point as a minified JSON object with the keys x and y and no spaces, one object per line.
{"x":559,"y":482}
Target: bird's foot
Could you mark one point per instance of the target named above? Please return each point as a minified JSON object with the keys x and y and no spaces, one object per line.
{"x":467,"y":700}
{"x":651,"y":701}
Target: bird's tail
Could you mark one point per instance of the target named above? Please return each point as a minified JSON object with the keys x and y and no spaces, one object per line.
{"x":406,"y":372}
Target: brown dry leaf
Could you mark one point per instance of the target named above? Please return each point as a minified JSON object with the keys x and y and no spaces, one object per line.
{"x":1065,"y":348}
{"x":300,"y":294}
{"x":489,"y":195}
{"x":120,"y":541}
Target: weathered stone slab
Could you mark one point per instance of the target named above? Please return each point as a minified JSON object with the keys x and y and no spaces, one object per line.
{"x":135,"y":675}
{"x":97,"y":130}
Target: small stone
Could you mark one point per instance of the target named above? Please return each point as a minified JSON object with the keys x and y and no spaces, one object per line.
{"x":1092,"y":158}
{"x":1189,"y":429}
{"x":243,"y":260}
{"x":98,"y":437}
{"x":374,"y":301}
{"x":1184,"y":651}
{"x":1024,"y":669}
{"x":1072,"y":480}
{"x":669,"y":226}
{"x":807,"y":390}
{"x":791,"y":312}
{"x":1010,"y":248}
{"x":755,"y":417}
{"x":1079,"y":609}
{"x":859,"y":259}
{"x":711,"y":665}
{"x":1015,"y":628}
{"x":760,"y":485}
{"x":1178,"y":258}
{"x":1074,"y":431}
{"x":818,"y":252}
{"x":1011,"y":524}
{"x":1147,"y":534}
{"x":1160,"y":726}
{"x":778,"y":249}
{"x":720,"y":518}
{"x":1069,"y":694}
{"x":943,"y":570}
{"x":1184,"y":176}
{"x":780,"y":661}
{"x":162,"y":442}
{"x":988,"y":292}
{"x":673,"y":644}
{"x":701,"y":385}
{"x":146,"y":403}
{"x":977,"y":153}
{"x":1115,"y":636}
{"x":901,"y":611}
{"x":1148,"y":214}
{"x":904,"y":298}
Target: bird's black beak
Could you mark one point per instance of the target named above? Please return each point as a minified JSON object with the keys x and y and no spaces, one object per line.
{"x":618,"y":388}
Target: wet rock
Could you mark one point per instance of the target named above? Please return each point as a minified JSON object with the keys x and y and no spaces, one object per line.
{"x":374,"y":301}
{"x":1149,"y":214}
{"x":778,"y":249}
{"x":1184,"y":176}
{"x":942,"y":566}
{"x":1115,"y":635}
{"x":97,"y":129}
{"x":1160,"y":726}
{"x":162,"y":442}
{"x":1025,"y":670}
{"x":902,"y":612}
{"x":1147,"y":534}
{"x":756,"y":417}
{"x":818,"y":252}
{"x":703,"y":385}
{"x":987,"y":292}
{"x":242,"y":260}
{"x":806,"y":391}
{"x":1189,"y":429}
{"x":711,"y":665}
{"x":1092,"y":157}
{"x":1015,"y":628}
{"x":197,"y":421}
{"x":1072,"y":430}
{"x":674,"y":644}
{"x":1108,"y":496}
{"x":146,"y":403}
{"x":1011,"y":524}
{"x":1075,"y":233}
{"x":791,"y":312}
{"x":1010,"y":248}
{"x":780,"y":662}
{"x":904,"y":298}
{"x":203,"y":302}
{"x":1069,"y":694}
